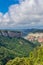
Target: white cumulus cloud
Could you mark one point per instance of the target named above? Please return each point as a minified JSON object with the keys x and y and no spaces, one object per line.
{"x":26,"y":14}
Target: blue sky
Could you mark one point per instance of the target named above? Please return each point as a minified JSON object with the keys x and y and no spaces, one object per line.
{"x":21,"y":14}
{"x":4,"y":4}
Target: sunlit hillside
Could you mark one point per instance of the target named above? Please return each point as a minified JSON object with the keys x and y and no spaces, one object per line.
{"x":35,"y":58}
{"x":35,"y":37}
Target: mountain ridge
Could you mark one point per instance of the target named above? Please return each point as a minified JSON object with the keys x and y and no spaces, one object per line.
{"x":8,"y":33}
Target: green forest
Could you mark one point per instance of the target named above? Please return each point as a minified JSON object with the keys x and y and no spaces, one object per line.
{"x":18,"y":51}
{"x":35,"y":58}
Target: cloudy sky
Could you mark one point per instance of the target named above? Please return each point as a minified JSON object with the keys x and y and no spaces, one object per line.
{"x":17,"y":14}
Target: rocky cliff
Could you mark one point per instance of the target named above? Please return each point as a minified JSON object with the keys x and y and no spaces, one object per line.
{"x":10,"y":33}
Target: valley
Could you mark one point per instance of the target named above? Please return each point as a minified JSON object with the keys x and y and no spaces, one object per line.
{"x":11,"y":48}
{"x":14,"y":45}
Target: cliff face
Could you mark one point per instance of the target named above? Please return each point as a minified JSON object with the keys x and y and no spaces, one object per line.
{"x":35,"y":37}
{"x":10,"y":33}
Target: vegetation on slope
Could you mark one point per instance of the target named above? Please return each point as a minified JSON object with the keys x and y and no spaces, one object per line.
{"x":35,"y":58}
{"x":11,"y":48}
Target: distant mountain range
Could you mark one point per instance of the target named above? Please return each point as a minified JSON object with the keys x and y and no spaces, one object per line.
{"x":27,"y":31}
{"x":18,"y":32}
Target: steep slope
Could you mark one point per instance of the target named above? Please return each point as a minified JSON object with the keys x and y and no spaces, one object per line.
{"x":36,"y":58}
{"x":14,"y":47}
{"x":9,"y":33}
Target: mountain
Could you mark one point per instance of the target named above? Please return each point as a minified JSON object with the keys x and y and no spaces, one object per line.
{"x":9,"y":33}
{"x":27,"y":31}
{"x":14,"y":47}
{"x":19,"y":32}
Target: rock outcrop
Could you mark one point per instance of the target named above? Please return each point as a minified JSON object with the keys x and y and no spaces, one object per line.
{"x":10,"y":33}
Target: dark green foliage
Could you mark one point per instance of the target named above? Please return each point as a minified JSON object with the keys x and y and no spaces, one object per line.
{"x":14,"y":47}
{"x":6,"y":54}
{"x":35,"y":58}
